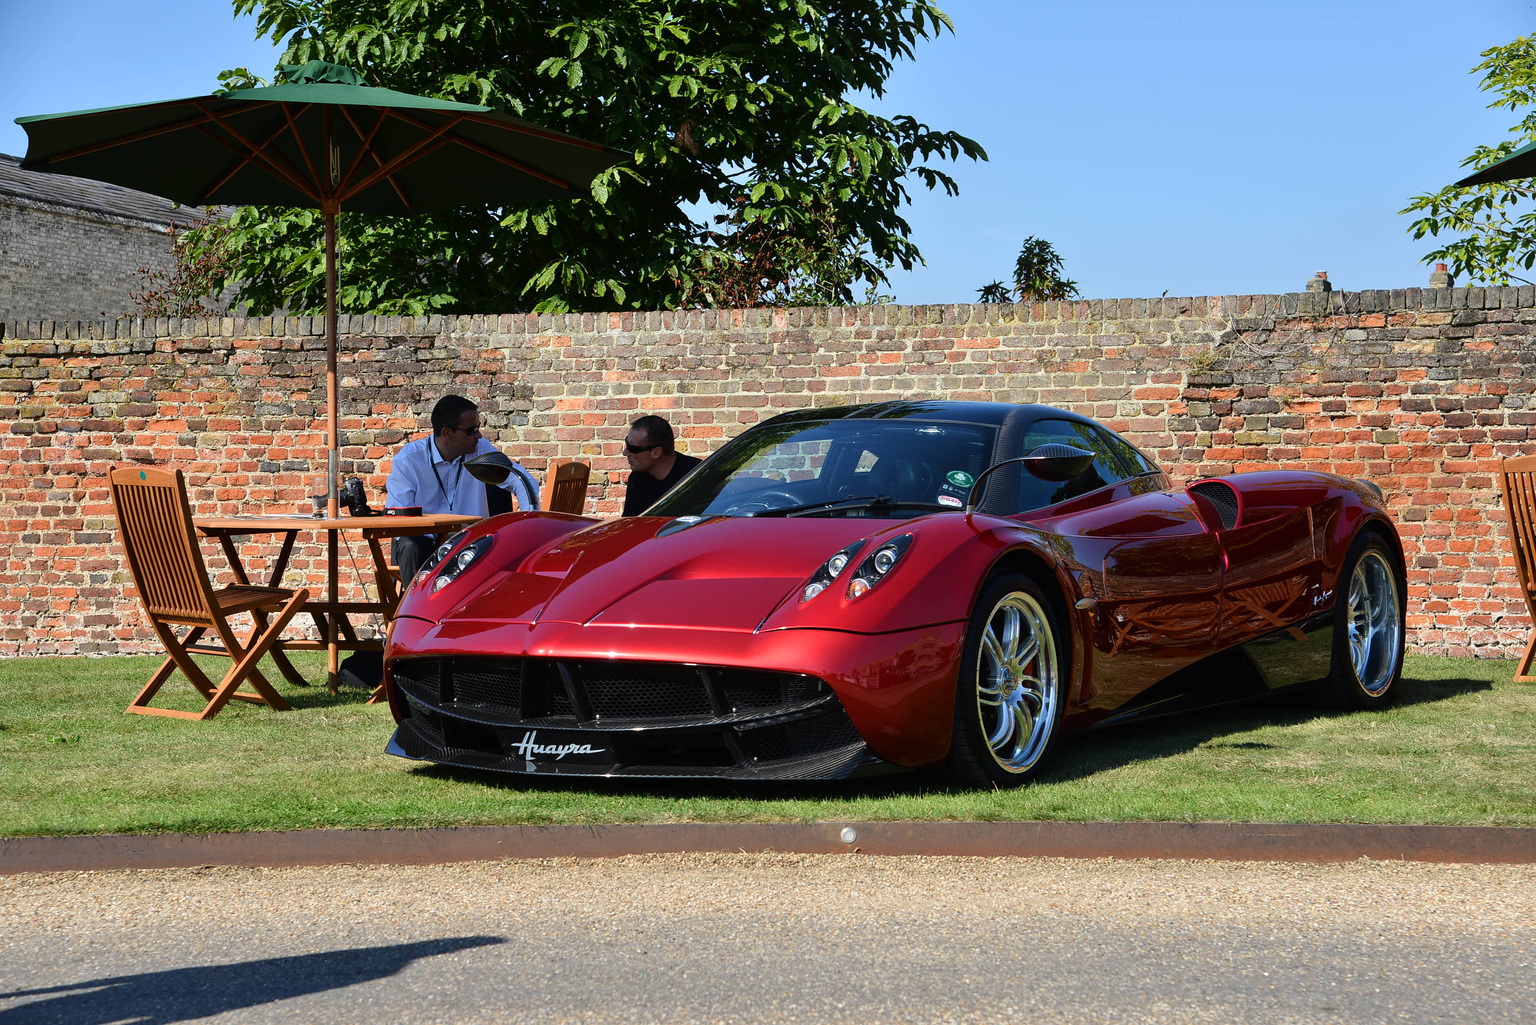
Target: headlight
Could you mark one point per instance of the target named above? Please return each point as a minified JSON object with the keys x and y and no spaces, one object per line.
{"x":830,"y":571}
{"x":447,"y":572}
{"x":441,"y":552}
{"x":877,"y":564}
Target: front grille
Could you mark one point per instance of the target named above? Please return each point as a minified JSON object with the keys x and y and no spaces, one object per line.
{"x":798,"y":739}
{"x":601,"y":694}
{"x":616,"y":717}
{"x":492,"y":686}
{"x":630,"y":691}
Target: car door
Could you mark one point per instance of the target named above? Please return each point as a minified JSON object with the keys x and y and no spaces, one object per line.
{"x":1159,"y":600}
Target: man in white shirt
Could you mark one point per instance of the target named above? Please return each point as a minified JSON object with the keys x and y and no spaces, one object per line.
{"x":429,"y":472}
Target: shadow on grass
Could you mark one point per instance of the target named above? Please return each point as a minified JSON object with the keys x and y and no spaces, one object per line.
{"x":319,"y":697}
{"x":1113,"y":747}
{"x":1076,"y":756}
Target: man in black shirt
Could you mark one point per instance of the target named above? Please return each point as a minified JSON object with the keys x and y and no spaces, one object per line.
{"x":655,"y":466}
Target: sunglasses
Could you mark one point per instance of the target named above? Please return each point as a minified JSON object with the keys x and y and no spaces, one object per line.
{"x":637,"y":449}
{"x":466,"y":430}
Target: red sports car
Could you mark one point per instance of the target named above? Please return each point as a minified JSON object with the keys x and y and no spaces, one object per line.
{"x":919,"y":584}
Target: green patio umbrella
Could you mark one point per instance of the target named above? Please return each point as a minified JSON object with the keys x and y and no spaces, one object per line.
{"x":321,"y":139}
{"x":1519,"y":164}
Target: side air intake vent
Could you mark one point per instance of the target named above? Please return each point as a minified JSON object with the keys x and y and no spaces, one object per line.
{"x":1219,"y":497}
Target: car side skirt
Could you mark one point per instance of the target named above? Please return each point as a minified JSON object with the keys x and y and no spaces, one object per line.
{"x":1292,"y":657}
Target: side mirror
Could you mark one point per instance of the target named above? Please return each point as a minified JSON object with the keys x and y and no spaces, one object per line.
{"x":1053,"y":461}
{"x":1057,"y":462}
{"x":489,"y":468}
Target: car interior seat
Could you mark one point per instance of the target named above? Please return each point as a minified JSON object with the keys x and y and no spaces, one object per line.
{"x":902,"y":478}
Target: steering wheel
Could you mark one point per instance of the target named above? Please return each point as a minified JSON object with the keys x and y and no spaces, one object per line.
{"x":762,"y":501}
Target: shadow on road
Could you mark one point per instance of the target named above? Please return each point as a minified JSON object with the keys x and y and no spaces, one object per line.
{"x":186,"y":994}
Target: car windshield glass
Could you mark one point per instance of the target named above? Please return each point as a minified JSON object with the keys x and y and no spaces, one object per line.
{"x":888,"y":469}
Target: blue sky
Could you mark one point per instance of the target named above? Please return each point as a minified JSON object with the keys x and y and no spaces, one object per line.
{"x":1186,"y":147}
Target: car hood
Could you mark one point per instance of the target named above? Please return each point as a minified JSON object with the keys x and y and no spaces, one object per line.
{"x":717,"y":574}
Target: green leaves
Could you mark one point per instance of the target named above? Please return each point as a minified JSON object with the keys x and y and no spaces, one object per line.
{"x":742,"y":108}
{"x":1036,"y":277}
{"x":1492,"y":241}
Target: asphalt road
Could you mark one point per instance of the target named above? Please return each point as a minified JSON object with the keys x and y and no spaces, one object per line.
{"x":774,"y":938}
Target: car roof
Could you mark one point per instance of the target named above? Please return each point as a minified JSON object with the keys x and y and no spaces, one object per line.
{"x":991,"y":413}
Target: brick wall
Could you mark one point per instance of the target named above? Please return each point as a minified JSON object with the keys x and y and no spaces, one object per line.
{"x":104,"y":257}
{"x":1420,"y":390}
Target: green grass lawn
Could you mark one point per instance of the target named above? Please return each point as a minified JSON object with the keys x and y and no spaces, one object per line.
{"x":1459,"y":747}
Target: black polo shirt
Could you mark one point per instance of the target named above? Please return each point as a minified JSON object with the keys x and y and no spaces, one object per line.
{"x":642,"y":490}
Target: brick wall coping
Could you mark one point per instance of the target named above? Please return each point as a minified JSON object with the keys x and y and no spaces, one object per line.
{"x":1240,"y":308}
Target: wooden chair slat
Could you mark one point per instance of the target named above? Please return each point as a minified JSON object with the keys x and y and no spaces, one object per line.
{"x":566,"y":489}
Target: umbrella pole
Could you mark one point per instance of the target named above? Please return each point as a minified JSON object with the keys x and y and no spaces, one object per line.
{"x":332,"y":435}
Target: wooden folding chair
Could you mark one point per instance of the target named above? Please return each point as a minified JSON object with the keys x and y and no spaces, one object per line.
{"x":1519,"y":483}
{"x":566,"y":490}
{"x":167,"y":566}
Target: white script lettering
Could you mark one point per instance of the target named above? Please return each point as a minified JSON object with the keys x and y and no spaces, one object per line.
{"x":529,"y":747}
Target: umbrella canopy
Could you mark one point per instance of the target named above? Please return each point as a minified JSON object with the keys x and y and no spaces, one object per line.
{"x":322,"y":139}
{"x":1519,"y":164}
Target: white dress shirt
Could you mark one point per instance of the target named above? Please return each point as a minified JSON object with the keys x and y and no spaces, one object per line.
{"x":421,"y":476}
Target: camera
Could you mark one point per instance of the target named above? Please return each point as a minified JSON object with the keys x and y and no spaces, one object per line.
{"x":351,"y":495}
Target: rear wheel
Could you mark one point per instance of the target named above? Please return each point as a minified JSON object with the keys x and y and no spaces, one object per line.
{"x":1368,"y":627}
{"x":1009,"y":699}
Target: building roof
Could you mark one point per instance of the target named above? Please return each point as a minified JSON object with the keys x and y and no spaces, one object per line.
{"x":90,"y":196}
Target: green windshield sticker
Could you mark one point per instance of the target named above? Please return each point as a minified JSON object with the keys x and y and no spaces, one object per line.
{"x":959,"y":478}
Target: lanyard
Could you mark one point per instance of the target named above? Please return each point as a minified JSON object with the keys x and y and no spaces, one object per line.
{"x":459,"y":462}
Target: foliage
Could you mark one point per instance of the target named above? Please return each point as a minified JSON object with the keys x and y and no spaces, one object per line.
{"x":738,"y":108}
{"x":1036,"y":277}
{"x":1492,"y":240}
{"x":199,"y":266}
{"x":749,"y":263}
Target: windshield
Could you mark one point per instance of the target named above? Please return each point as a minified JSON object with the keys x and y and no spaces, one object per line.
{"x":889,"y":469}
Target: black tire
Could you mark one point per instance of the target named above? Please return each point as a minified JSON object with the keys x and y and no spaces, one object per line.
{"x":1012,"y":686}
{"x":1369,"y":626}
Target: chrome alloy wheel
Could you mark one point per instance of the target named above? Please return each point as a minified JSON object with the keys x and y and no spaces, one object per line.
{"x":1374,"y":622}
{"x":1017,"y":684}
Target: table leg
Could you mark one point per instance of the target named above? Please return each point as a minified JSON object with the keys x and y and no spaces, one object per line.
{"x":332,"y":624}
{"x":237,"y":568}
{"x":232,"y":556}
{"x":291,"y":674}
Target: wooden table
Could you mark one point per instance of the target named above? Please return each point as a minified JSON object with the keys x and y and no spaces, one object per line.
{"x":332,"y":615}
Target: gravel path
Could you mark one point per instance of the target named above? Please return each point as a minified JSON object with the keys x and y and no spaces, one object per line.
{"x":768,"y":938}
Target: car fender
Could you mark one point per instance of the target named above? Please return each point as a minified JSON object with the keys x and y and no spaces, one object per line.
{"x":937,"y":584}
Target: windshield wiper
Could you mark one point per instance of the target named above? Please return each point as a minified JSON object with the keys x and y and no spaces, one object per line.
{"x":852,"y":502}
{"x":830,"y":505}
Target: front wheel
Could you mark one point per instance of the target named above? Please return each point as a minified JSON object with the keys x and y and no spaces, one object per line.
{"x":1368,"y":627}
{"x":1011,"y":692}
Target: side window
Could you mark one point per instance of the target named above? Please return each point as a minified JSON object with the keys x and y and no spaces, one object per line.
{"x":1127,"y":456}
{"x":1113,"y":461}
